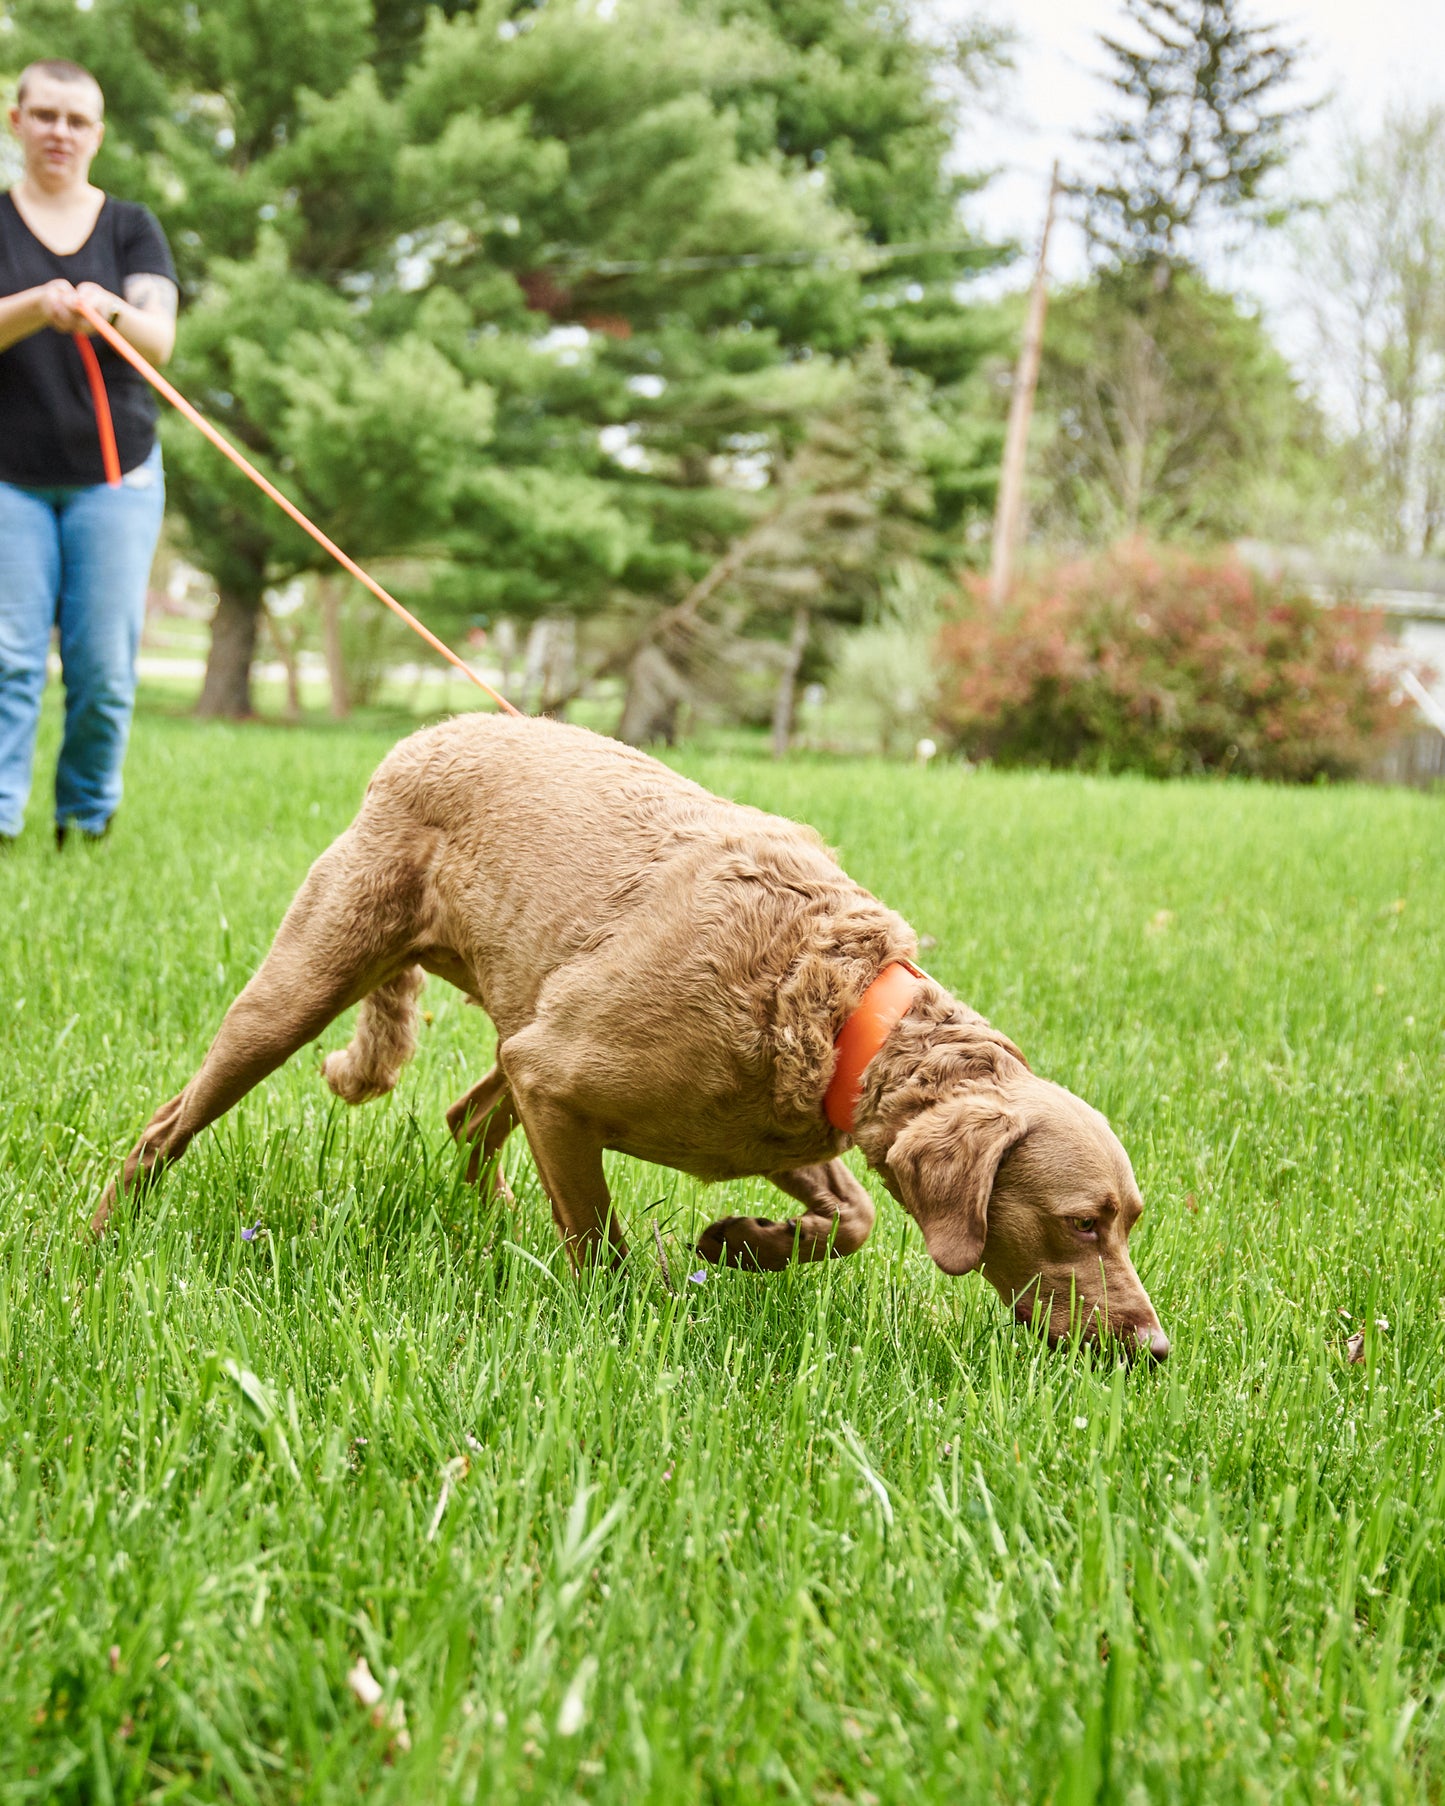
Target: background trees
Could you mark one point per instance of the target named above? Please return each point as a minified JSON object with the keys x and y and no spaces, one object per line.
{"x":1170,"y":406}
{"x":647,"y":320}
{"x":539,"y":303}
{"x":1172,"y":414}
{"x":1374,"y":290}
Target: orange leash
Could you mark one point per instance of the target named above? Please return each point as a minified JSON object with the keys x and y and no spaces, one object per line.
{"x":125,"y":349}
{"x":100,"y":401}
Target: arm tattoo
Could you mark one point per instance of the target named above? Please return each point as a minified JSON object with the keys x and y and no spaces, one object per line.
{"x":152,"y":295}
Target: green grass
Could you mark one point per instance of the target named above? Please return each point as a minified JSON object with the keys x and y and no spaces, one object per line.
{"x":839,"y":1534}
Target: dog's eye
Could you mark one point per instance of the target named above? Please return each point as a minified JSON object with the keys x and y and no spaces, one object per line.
{"x":1086,"y":1225}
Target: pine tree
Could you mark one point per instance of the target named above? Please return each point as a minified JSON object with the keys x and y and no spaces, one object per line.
{"x":1197,"y":130}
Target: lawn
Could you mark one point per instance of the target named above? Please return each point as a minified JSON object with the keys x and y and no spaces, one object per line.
{"x":837,"y":1534}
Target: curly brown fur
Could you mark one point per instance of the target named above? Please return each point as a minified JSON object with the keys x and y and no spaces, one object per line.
{"x":385,"y":1039}
{"x":940,"y":1047}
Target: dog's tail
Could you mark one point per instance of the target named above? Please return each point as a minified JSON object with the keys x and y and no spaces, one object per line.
{"x":384,"y":1041}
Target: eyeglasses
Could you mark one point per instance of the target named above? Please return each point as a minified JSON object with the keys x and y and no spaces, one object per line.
{"x":52,"y":116}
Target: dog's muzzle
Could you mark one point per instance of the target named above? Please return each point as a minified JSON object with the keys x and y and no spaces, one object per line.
{"x":1150,"y":1344}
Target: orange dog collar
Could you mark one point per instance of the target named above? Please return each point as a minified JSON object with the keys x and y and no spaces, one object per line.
{"x":881,"y":1007}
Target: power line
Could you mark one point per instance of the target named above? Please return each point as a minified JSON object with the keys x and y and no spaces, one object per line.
{"x":850,"y":257}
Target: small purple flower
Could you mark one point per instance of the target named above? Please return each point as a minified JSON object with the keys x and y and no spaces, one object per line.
{"x":697,"y":1278}
{"x":249,"y":1235}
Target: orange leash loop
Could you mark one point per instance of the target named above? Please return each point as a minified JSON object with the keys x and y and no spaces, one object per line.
{"x":100,"y":401}
{"x":178,"y":401}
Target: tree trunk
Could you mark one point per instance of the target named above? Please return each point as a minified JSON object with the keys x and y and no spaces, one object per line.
{"x":785,"y":700}
{"x":293,"y":683}
{"x":226,"y":692}
{"x":549,"y":680}
{"x":287,"y":651}
{"x":335,"y":656}
{"x":559,"y":669}
{"x":504,"y":649}
{"x":655,"y":693}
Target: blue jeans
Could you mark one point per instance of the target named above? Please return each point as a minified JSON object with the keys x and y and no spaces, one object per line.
{"x":79,"y":560}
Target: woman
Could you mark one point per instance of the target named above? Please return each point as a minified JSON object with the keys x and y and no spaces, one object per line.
{"x":75,"y":551}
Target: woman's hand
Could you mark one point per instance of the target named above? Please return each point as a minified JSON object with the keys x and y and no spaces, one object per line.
{"x":56,"y":303}
{"x":107,"y":305}
{"x":32,"y":310}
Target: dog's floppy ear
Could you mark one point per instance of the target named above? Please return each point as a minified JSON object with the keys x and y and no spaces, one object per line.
{"x":944,"y":1164}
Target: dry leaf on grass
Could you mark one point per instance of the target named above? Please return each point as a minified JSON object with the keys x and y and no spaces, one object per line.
{"x":369,"y":1690}
{"x":452,"y":1471}
{"x":1355,"y":1347}
{"x":363,"y":1683}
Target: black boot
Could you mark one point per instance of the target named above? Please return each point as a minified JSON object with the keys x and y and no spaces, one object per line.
{"x":63,"y":830}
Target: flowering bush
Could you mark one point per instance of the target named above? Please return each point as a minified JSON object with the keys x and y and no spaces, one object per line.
{"x":1155,"y":660}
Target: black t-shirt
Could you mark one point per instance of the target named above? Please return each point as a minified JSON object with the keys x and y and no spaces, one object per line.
{"x":48,"y":434}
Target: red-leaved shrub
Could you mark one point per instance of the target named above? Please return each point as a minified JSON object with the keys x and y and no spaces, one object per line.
{"x":1155,"y":660}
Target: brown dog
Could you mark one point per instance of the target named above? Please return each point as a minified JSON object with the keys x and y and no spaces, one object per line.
{"x":668,"y":974}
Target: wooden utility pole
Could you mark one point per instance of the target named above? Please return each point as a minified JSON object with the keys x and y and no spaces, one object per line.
{"x":1008,"y":514}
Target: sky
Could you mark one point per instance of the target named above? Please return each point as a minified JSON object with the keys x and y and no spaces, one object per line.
{"x":1361,"y":54}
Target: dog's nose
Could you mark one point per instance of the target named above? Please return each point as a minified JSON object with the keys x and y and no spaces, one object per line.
{"x":1154,"y":1343}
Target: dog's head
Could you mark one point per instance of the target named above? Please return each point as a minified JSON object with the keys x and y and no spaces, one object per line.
{"x":1025,"y":1181}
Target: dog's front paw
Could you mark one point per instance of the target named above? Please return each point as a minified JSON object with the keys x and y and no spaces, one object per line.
{"x":101,"y":1215}
{"x":754,"y":1243}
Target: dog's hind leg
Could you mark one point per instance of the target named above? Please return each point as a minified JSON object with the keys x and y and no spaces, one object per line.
{"x":485,"y":1116}
{"x":838,"y":1221}
{"x":349,"y":930}
{"x":385,"y":1039}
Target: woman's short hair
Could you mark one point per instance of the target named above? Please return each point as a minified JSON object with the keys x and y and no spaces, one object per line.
{"x":59,"y":69}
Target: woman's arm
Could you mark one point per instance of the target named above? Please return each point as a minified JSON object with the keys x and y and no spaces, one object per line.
{"x":154,"y":299}
{"x":32,"y":309}
{"x":147,"y":315}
